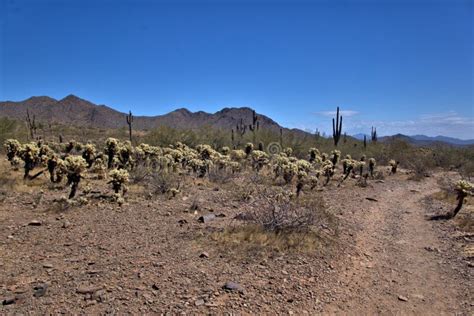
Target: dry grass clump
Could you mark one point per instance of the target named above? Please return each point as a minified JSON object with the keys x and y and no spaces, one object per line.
{"x":275,"y":220}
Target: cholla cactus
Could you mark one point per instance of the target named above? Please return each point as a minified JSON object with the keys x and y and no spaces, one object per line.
{"x":361,"y":166}
{"x":75,"y":166}
{"x":393,"y":166}
{"x":70,"y":146}
{"x":12,"y":146}
{"x":29,"y":154}
{"x":237,"y":155}
{"x":248,"y":149}
{"x":372,"y":167}
{"x":313,"y":154}
{"x":288,"y":151}
{"x":335,"y":154}
{"x":463,"y":188}
{"x":328,"y":170}
{"x":313,"y":181}
{"x":225,"y":150}
{"x":125,"y":152}
{"x":119,"y":179}
{"x":99,"y":167}
{"x":289,"y":171}
{"x":111,"y":150}
{"x":302,"y":178}
{"x":324,"y":157}
{"x":259,"y":159}
{"x":88,"y":154}
{"x":303,"y":165}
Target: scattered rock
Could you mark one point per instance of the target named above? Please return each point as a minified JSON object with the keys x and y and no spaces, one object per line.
{"x":66,"y":224}
{"x":232,"y":286}
{"x":40,"y":290}
{"x":204,"y":255}
{"x":155,"y":287}
{"x":207,"y":218}
{"x":35,"y":222}
{"x":402,"y":298}
{"x":9,"y":301}
{"x":47,"y":265}
{"x":199,"y":302}
{"x":221,"y":215}
{"x":371,"y":199}
{"x":181,"y":222}
{"x":432,"y":249}
{"x":88,"y":289}
{"x":243,"y":217}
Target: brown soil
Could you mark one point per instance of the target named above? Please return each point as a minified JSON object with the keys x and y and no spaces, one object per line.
{"x":148,"y":256}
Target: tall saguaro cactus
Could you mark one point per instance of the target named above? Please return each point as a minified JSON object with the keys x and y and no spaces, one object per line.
{"x":129,"y":122}
{"x":337,"y":128}
{"x":241,"y":128}
{"x":31,"y":124}
{"x":373,"y":134}
{"x":254,"y":127}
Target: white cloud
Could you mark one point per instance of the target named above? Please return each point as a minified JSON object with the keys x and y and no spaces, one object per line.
{"x":346,"y":113}
{"x":450,"y":124}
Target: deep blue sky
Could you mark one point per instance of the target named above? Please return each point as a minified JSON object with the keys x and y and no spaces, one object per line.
{"x":403,"y":66}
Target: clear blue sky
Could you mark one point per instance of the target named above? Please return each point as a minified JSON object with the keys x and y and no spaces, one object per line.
{"x":403,"y":66}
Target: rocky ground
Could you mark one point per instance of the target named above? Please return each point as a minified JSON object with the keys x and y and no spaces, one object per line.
{"x":377,"y":254}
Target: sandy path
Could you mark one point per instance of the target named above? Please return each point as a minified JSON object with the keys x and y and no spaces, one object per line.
{"x":401,"y":267}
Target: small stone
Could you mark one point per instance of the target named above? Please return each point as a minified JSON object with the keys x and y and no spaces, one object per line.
{"x":232,"y":286}
{"x":402,"y":298}
{"x":204,"y":255}
{"x":88,"y":289}
{"x":207,"y":218}
{"x":199,"y":302}
{"x":40,"y":290}
{"x":47,"y":265}
{"x":155,"y":287}
{"x":9,"y":301}
{"x":66,"y":224}
{"x":35,"y":223}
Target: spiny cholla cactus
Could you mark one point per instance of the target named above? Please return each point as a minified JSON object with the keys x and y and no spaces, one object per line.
{"x":12,"y":146}
{"x":70,"y":146}
{"x":328,"y":170}
{"x":248,"y":149}
{"x":125,"y":152}
{"x":237,"y":155}
{"x":324,"y":157}
{"x":463,"y":188}
{"x":119,"y":179}
{"x":372,"y":164}
{"x":302,"y":178}
{"x":289,"y":171}
{"x":111,"y":150}
{"x":361,"y":166}
{"x":225,"y":150}
{"x":75,"y":166}
{"x":88,"y":154}
{"x":313,"y":154}
{"x":29,"y":154}
{"x":304,"y":165}
{"x":393,"y":166}
{"x":335,"y":154}
{"x":259,"y":159}
{"x":348,"y":165}
{"x":288,"y":151}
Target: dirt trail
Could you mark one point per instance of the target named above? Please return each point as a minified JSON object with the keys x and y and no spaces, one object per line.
{"x":402,"y":265}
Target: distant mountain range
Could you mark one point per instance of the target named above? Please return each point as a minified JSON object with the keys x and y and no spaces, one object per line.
{"x":423,"y":139}
{"x":73,"y":110}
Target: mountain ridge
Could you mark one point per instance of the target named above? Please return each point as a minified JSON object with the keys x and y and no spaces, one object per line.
{"x":77,"y":111}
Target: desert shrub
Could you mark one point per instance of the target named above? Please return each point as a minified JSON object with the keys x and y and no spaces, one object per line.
{"x":164,"y":183}
{"x":279,"y":212}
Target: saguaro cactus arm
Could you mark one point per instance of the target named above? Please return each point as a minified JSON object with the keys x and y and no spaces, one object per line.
{"x":337,"y":128}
